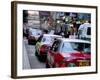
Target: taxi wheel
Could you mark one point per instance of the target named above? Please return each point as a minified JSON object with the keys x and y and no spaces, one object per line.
{"x":29,"y":42}
{"x":36,"y":54}
{"x":47,"y":65}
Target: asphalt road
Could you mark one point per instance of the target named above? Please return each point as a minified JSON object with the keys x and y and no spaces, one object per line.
{"x":34,"y":63}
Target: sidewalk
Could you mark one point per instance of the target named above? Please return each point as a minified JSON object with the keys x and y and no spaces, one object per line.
{"x":26,"y":64}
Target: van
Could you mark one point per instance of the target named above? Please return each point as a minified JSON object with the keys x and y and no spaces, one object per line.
{"x":84,"y":31}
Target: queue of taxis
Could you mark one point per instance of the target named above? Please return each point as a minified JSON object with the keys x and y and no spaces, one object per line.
{"x":57,"y":51}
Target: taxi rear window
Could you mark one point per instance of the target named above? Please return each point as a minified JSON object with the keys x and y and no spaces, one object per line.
{"x":69,"y":47}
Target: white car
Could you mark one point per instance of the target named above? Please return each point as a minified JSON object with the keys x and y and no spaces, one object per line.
{"x":34,"y":34}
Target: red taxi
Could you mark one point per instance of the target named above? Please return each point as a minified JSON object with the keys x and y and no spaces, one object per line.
{"x":69,"y":53}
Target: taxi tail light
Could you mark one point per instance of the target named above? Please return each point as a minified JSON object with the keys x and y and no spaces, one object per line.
{"x":31,"y":37}
{"x":44,"y":48}
{"x":63,"y":63}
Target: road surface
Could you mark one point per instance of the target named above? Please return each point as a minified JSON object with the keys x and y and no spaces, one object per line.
{"x":30,"y":61}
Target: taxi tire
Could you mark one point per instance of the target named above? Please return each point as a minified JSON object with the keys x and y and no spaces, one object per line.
{"x":36,"y":54}
{"x":29,"y":42}
{"x":47,"y":65}
{"x":40,"y":58}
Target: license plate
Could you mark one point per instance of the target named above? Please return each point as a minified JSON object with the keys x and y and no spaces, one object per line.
{"x":84,"y":63}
